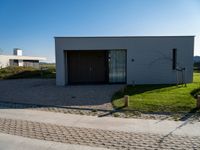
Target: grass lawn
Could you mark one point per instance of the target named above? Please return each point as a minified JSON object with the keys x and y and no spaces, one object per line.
{"x":27,"y":72}
{"x":159,"y":98}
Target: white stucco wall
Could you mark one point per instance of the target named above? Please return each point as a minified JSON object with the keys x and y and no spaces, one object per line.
{"x":17,"y":52}
{"x":152,"y":56}
{"x":4,"y":61}
{"x":20,"y":63}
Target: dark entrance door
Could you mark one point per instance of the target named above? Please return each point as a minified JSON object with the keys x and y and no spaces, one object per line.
{"x":87,"y":67}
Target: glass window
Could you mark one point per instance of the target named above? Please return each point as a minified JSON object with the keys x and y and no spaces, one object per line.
{"x":174,"y":58}
{"x":117,"y":66}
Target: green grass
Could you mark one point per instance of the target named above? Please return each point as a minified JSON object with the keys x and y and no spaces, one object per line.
{"x":27,"y":72}
{"x":160,"y":98}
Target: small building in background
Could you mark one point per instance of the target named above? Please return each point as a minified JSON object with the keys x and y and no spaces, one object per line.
{"x":17,"y":59}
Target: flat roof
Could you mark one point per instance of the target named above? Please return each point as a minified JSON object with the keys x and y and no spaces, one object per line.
{"x":23,"y":57}
{"x":124,"y":36}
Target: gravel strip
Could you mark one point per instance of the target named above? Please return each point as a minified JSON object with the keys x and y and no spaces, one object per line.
{"x":190,"y":117}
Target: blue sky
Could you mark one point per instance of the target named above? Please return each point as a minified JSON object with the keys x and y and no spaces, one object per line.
{"x":32,"y":24}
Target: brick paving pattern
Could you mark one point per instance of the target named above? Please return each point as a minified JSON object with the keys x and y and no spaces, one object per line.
{"x":96,"y":137}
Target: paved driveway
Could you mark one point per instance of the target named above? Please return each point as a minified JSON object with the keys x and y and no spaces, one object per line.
{"x":45,"y":92}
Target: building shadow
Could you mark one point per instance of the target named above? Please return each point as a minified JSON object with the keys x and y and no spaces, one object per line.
{"x":139,"y":89}
{"x":119,"y":109}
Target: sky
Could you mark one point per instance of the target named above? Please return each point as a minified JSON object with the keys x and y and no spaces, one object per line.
{"x":32,"y":24}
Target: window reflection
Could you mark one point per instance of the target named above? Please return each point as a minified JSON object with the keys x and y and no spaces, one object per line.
{"x":117,"y":66}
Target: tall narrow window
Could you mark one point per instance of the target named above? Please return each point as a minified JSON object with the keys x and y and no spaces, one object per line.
{"x":174,"y":58}
{"x":117,"y":66}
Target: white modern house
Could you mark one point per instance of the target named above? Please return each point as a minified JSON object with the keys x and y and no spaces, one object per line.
{"x":128,"y":59}
{"x":17,"y":59}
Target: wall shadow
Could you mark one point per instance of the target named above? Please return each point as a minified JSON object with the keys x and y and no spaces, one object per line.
{"x":139,"y":89}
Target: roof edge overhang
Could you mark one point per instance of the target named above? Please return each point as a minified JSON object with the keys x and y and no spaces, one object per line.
{"x":125,"y":36}
{"x":13,"y":57}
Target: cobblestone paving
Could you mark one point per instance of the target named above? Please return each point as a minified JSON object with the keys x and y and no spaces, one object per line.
{"x":96,"y":137}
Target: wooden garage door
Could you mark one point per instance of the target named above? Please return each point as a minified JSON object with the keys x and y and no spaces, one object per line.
{"x":87,"y":67}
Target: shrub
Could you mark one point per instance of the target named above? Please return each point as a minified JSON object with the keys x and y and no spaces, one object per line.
{"x":26,"y":72}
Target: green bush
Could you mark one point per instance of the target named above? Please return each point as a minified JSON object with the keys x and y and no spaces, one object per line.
{"x":27,"y":72}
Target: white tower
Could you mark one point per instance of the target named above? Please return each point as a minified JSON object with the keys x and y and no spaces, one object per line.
{"x":17,"y":52}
